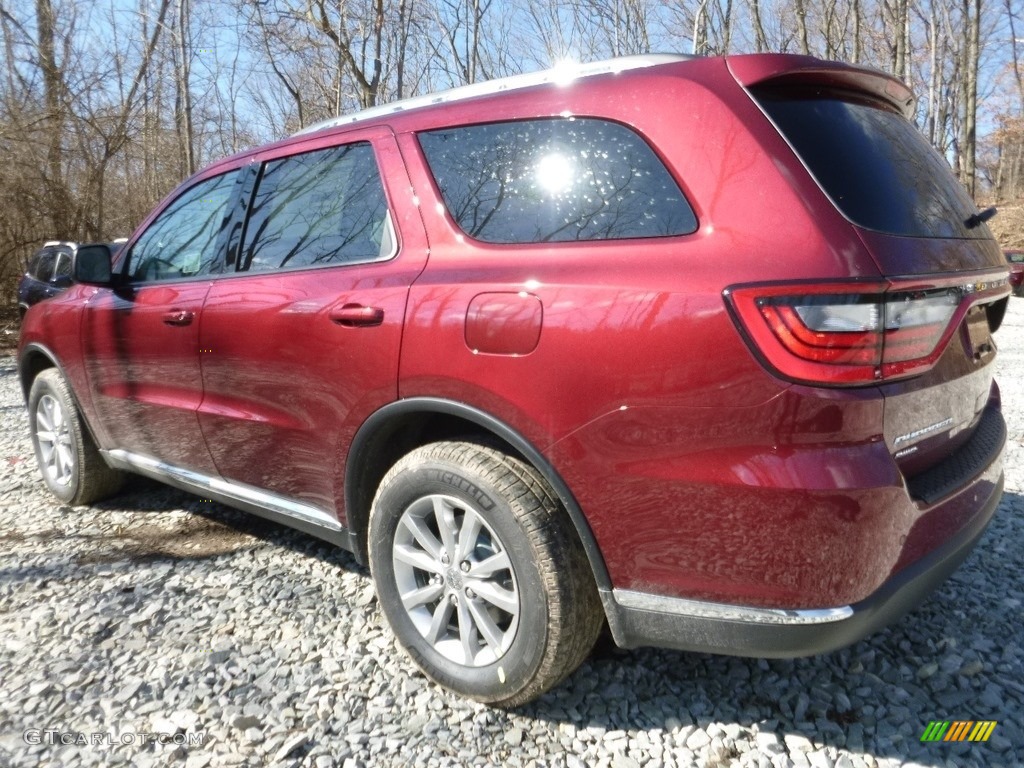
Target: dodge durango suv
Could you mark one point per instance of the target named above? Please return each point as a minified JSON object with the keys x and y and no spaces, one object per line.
{"x":699,"y":349}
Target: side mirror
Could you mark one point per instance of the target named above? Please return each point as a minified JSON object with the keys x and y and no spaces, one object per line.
{"x":92,"y":264}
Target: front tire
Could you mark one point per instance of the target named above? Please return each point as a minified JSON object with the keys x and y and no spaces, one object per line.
{"x":72,"y":466}
{"x":480,"y":573}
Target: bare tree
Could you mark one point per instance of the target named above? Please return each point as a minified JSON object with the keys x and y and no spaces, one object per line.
{"x":184,"y":51}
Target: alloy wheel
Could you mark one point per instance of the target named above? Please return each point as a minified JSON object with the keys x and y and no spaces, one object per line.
{"x":53,"y":431}
{"x":456,"y":581}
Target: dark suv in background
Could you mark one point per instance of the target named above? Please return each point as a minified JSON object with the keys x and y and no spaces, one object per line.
{"x":698,"y":348}
{"x":47,"y":274}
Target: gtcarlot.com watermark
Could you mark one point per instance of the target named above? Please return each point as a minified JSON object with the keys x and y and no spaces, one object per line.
{"x":54,"y":737}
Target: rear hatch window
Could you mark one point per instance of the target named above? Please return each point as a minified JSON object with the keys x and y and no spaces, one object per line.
{"x":873,"y":163}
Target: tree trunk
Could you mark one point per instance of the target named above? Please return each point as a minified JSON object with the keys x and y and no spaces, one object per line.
{"x":760,"y":38}
{"x":183,"y":100}
{"x":801,"y":23}
{"x":969,"y":148}
{"x":53,"y":92}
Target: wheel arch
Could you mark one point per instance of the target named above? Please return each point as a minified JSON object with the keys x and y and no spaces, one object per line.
{"x":399,"y":427}
{"x":36,"y":358}
{"x":33,"y":360}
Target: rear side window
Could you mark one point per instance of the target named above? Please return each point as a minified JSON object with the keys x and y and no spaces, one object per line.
{"x":555,"y":180}
{"x":876,"y":167}
{"x":317,"y":209}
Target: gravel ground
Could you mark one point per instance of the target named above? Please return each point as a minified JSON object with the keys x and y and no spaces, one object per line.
{"x":158,"y":613}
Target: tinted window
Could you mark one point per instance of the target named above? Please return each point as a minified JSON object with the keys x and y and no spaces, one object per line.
{"x":555,"y":180}
{"x":63,"y":268}
{"x":184,"y":239}
{"x":318,"y":208}
{"x":875,"y":165}
{"x":42,"y":268}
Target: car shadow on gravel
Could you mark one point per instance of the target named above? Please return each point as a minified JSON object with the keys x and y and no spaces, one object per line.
{"x":210,"y":530}
{"x":946,"y":660}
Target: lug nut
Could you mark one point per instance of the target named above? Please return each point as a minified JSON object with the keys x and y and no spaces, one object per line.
{"x":464,"y":566}
{"x":444,"y":558}
{"x":470,"y":594}
{"x":454,"y":599}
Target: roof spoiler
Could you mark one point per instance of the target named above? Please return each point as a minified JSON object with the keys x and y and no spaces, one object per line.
{"x":787,"y":69}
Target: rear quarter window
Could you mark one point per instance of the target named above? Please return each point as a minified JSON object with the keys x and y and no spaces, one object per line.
{"x":555,"y":180}
{"x":873,"y":163}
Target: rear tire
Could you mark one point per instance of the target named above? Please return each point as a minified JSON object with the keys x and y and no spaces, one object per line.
{"x":480,"y":573}
{"x":72,"y":466}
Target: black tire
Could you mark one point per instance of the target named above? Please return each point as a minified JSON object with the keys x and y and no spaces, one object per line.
{"x":75,"y":472}
{"x":559,"y":614}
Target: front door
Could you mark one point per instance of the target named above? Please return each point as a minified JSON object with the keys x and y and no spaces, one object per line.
{"x":141,"y":339}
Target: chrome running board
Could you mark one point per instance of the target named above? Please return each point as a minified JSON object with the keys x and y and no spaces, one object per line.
{"x":272,"y":506}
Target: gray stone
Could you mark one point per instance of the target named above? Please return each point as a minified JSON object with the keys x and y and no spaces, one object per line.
{"x":797,"y":743}
{"x":768,"y":742}
{"x":971,"y":668}
{"x":245,"y":722}
{"x":697,"y":739}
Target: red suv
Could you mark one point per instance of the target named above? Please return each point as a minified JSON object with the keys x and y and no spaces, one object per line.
{"x":700,"y":348}
{"x":1016,"y":261}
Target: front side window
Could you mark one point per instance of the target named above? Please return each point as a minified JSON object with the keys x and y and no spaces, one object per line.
{"x":555,"y":180}
{"x":184,"y":240}
{"x":318,"y":209}
{"x":62,"y":269}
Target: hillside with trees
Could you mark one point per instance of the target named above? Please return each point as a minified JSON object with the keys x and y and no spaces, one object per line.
{"x":105,"y":105}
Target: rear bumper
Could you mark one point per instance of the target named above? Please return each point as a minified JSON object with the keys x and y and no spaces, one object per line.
{"x":641,"y":619}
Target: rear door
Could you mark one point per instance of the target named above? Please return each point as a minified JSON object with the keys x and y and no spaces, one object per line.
{"x":141,"y":339}
{"x":301,"y":343}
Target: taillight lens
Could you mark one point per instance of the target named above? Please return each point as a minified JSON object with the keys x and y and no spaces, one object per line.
{"x":850,"y":335}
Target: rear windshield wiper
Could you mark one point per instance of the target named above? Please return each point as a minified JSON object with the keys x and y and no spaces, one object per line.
{"x":979,"y":218}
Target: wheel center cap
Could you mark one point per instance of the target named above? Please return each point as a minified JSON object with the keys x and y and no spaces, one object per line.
{"x":454,"y":578}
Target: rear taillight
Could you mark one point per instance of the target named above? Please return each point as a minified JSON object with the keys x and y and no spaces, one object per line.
{"x":854,"y":333}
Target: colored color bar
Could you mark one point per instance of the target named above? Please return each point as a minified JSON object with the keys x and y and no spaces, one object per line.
{"x":983,"y":730}
{"x":959,"y":730}
{"x":935,"y":731}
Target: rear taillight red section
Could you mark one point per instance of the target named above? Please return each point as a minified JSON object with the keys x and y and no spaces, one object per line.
{"x":855,"y":333}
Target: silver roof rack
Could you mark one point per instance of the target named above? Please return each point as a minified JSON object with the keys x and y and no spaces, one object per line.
{"x":561,"y":74}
